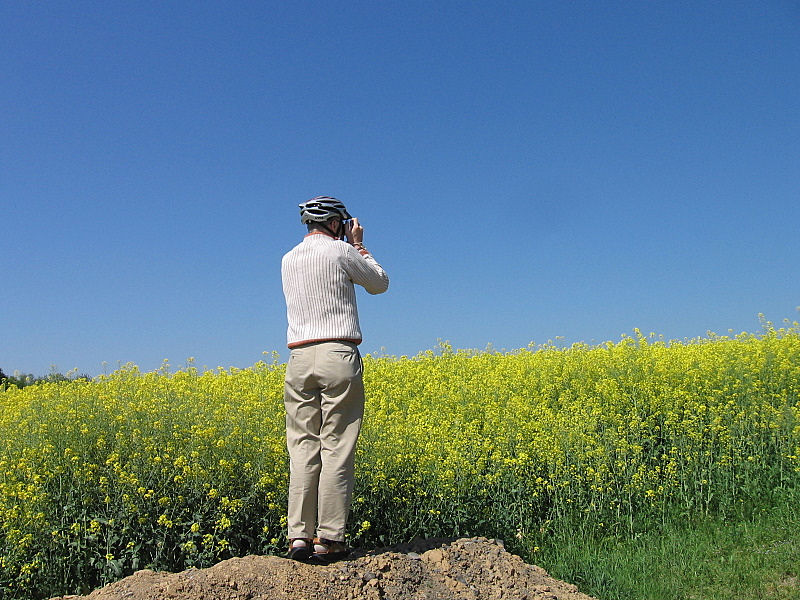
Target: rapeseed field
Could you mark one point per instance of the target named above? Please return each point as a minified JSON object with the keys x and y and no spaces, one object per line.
{"x":168,"y":470}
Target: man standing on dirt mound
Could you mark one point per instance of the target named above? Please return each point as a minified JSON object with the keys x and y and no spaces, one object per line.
{"x":324,"y":389}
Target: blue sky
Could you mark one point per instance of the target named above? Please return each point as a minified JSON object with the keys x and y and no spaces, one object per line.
{"x":524,"y":171}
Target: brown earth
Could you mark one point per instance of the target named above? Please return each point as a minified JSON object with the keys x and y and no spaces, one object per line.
{"x":468,"y":569}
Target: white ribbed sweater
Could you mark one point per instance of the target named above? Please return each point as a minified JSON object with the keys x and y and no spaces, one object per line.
{"x":318,"y":282}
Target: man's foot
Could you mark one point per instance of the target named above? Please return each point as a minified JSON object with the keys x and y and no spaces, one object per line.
{"x":300,"y":548}
{"x":328,"y":551}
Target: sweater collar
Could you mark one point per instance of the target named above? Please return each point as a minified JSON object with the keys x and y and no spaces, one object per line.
{"x":317,"y":232}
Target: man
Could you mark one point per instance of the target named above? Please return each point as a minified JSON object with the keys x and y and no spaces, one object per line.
{"x":324,"y":390}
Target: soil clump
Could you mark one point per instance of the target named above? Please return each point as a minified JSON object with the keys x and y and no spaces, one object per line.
{"x":462,"y":569}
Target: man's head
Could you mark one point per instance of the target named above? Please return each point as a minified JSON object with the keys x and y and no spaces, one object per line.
{"x":322,"y":209}
{"x":324,"y":212}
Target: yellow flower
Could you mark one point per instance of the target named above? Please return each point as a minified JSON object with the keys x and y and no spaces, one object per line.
{"x":164,"y":521}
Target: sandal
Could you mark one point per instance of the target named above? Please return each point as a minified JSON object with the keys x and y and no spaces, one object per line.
{"x":328,"y":551}
{"x":300,"y":548}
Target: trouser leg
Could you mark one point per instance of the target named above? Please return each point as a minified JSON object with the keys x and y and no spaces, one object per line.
{"x":303,"y":420}
{"x":342,"y":403}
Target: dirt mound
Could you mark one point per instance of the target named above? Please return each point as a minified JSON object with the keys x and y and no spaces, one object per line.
{"x":474,"y":569}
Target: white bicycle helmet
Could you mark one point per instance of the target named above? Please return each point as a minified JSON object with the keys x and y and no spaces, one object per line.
{"x":321,"y":209}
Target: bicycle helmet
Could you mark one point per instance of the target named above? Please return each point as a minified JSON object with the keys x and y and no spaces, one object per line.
{"x":321,"y":209}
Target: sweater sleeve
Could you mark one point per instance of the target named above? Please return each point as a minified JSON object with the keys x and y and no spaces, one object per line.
{"x":365,"y":271}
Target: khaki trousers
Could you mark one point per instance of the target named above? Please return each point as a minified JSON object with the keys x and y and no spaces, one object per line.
{"x":324,"y":399}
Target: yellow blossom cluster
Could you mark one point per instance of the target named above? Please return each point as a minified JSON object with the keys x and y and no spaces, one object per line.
{"x":100,"y":478}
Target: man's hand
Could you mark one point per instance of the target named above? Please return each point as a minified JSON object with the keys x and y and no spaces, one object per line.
{"x":354,"y":232}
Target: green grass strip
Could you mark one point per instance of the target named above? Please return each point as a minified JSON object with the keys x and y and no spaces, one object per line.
{"x":698,"y":559}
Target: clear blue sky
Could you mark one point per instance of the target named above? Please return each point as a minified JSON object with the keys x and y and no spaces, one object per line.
{"x":523,"y":171}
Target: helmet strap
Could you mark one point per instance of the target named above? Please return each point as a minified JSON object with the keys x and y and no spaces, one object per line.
{"x":338,"y":236}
